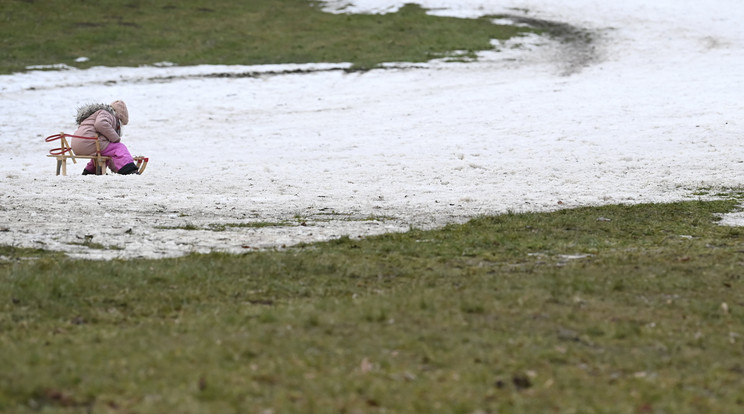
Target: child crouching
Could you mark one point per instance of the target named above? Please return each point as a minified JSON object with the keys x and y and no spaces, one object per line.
{"x":104,"y":122}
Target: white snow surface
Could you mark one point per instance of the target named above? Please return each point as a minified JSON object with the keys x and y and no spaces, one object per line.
{"x":654,"y":117}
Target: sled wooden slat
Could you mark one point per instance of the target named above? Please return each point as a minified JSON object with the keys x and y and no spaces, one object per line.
{"x":64,"y":152}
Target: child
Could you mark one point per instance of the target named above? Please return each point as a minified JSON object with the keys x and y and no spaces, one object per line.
{"x":104,"y":121}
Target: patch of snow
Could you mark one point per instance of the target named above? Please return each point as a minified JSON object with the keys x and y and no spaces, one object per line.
{"x":327,"y":153}
{"x":55,"y":66}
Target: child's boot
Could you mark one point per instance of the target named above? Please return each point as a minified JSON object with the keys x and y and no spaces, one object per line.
{"x":128,"y":169}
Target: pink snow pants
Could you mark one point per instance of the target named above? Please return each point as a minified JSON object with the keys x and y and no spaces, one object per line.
{"x":119,"y":154}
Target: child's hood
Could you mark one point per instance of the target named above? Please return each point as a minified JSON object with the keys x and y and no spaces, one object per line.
{"x":89,"y":109}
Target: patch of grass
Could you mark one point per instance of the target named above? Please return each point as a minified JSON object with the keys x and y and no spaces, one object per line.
{"x":225,"y":226}
{"x":332,"y":215}
{"x":610,"y":309}
{"x":376,"y":217}
{"x":11,"y":253}
{"x":721,"y":193}
{"x":89,"y":243}
{"x":731,"y":194}
{"x":251,"y":225}
{"x":140,"y":32}
{"x":181,"y":227}
{"x":299,"y":220}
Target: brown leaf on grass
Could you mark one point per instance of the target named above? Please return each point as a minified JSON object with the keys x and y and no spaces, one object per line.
{"x":59,"y":397}
{"x":365,"y":366}
{"x":645,"y":408}
{"x":521,"y":381}
{"x":266,"y":302}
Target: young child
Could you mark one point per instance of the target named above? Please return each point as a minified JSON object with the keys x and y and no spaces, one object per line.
{"x":104,"y":121}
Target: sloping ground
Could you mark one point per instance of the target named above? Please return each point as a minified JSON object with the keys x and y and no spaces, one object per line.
{"x":651,"y":115}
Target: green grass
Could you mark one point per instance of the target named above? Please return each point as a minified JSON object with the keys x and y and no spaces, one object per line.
{"x":617,"y":309}
{"x":142,"y":32}
{"x":12,"y":253}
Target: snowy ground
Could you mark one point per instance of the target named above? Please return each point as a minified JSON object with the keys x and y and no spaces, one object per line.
{"x":654,"y":117}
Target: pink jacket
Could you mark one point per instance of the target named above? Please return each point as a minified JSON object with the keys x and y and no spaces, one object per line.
{"x":101,"y":123}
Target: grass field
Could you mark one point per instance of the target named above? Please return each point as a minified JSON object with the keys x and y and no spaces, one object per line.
{"x":615,"y":309}
{"x":610,"y":309}
{"x":139,"y":32}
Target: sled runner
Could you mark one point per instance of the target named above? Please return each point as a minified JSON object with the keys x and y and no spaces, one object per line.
{"x":64,"y":152}
{"x":141,"y":163}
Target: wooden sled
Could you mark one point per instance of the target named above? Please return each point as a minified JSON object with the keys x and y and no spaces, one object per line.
{"x":64,"y":152}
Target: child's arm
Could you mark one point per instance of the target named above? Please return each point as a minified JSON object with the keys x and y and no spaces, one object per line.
{"x":104,"y":124}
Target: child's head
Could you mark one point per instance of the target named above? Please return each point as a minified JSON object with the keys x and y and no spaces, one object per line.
{"x":121,"y":111}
